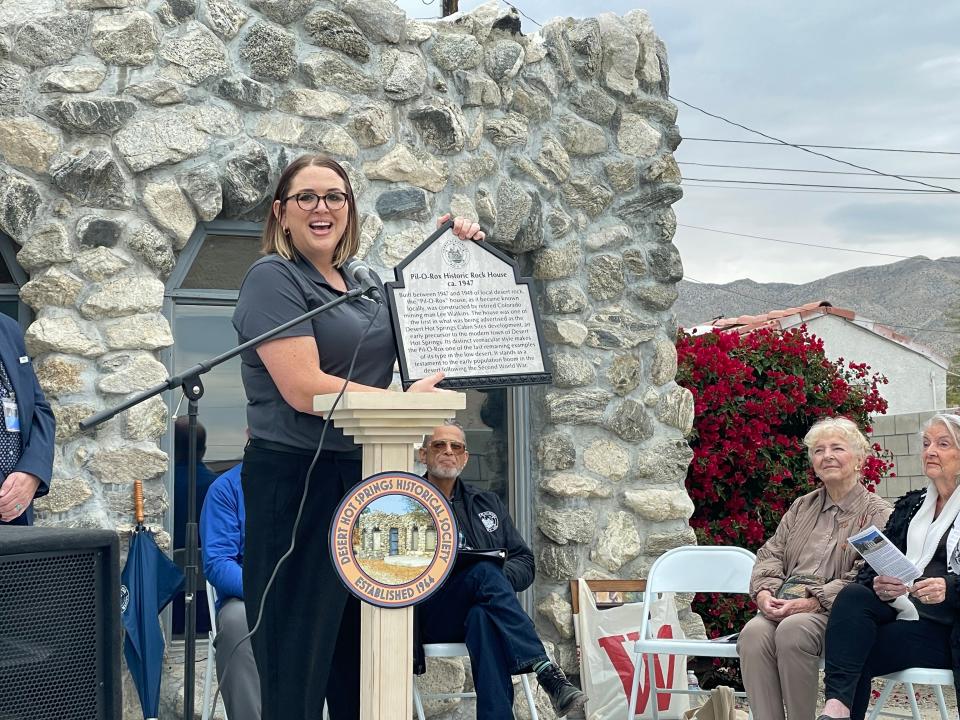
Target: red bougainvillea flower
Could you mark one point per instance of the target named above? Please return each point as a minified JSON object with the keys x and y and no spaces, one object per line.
{"x":755,"y":397}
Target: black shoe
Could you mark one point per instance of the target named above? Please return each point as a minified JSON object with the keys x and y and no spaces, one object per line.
{"x":564,"y":696}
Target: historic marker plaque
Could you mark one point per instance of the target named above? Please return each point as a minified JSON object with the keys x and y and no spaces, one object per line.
{"x":462,"y":307}
{"x":393,"y":539}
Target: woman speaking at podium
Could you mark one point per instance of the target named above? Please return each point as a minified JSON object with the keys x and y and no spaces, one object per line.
{"x":308,"y":639}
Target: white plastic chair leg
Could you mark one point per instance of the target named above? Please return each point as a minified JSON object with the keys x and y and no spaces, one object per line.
{"x":634,"y":689}
{"x":528,"y":693}
{"x":914,"y":708}
{"x":941,"y":703}
{"x":882,"y":700}
{"x":417,"y":702}
{"x":208,"y":712}
{"x":653,"y":689}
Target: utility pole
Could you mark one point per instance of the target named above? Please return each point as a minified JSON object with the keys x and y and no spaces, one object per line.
{"x":450,"y":7}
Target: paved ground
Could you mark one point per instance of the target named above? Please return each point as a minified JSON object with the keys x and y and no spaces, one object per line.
{"x":926,"y":700}
{"x":899,"y":705}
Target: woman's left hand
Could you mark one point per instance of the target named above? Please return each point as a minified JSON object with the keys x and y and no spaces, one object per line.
{"x":930,"y":591}
{"x":429,"y":384}
{"x":464,"y":228}
{"x":799,"y":605}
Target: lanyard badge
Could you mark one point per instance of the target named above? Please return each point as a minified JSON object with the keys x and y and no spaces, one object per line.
{"x":11,"y":416}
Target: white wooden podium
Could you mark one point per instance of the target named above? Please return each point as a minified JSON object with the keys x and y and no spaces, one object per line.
{"x":388,"y":425}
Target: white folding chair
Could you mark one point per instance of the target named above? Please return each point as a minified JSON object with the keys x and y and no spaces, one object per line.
{"x":689,"y":569}
{"x":460,"y":650}
{"x":920,"y":676}
{"x":211,"y":669}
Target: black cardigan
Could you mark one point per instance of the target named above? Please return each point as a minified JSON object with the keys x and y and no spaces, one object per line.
{"x":896,"y":531}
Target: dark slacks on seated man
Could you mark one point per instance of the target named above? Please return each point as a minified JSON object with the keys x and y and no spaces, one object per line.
{"x":222,"y":524}
{"x":478,"y":605}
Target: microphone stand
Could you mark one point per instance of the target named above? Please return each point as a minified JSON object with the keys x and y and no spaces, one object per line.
{"x":189,"y":381}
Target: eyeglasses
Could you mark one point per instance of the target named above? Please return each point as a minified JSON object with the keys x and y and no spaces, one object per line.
{"x":457,"y":448}
{"x":308,"y":201}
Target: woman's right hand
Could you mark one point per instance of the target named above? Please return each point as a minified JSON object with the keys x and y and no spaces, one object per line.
{"x":428,"y":383}
{"x":768,"y":605}
{"x":888,"y":588}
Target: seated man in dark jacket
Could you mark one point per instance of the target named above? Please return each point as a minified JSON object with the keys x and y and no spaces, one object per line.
{"x":478,"y":603}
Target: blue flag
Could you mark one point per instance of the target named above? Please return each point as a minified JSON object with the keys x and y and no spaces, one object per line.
{"x":148,"y":582}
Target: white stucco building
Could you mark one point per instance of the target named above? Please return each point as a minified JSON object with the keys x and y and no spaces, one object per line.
{"x":917,"y":375}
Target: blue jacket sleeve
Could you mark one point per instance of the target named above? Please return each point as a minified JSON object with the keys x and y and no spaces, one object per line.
{"x":37,"y":455}
{"x":221,"y":538}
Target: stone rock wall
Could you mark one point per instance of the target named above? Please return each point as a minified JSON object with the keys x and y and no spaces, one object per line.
{"x":126,"y":123}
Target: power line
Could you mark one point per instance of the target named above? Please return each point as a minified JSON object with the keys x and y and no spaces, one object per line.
{"x":805,"y":244}
{"x":525,"y":15}
{"x":814,"y":172}
{"x":826,"y":147}
{"x":924,"y":193}
{"x":807,"y":150}
{"x":816,"y":185}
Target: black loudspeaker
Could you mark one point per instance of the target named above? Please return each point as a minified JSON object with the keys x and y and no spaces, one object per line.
{"x":59,"y":624}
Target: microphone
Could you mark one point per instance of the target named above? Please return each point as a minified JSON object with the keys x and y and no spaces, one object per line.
{"x":365,"y":277}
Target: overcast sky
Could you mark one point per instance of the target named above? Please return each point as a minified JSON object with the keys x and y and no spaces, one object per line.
{"x":874,"y":74}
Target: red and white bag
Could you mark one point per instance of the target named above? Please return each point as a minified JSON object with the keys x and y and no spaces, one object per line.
{"x":605,"y":642}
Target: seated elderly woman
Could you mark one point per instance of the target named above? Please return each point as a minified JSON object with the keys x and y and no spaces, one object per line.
{"x":799,"y":572}
{"x":879,"y":625}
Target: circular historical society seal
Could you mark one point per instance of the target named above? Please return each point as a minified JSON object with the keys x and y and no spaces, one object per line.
{"x":393,"y":539}
{"x":455,"y":252}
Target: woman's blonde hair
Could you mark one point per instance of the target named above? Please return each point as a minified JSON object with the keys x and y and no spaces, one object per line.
{"x":276,"y":241}
{"x":841,"y":426}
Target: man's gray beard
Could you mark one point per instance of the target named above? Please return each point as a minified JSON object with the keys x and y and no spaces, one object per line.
{"x":442,"y":473}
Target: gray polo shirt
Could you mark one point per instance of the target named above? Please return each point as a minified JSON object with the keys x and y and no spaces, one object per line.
{"x":275,"y":291}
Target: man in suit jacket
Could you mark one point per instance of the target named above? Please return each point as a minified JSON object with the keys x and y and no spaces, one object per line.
{"x":26,"y":433}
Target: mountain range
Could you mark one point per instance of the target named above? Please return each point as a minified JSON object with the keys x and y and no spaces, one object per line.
{"x":911,"y":296}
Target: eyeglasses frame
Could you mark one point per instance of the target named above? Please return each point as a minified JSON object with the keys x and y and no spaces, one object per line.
{"x":320,"y":198}
{"x":448,"y":444}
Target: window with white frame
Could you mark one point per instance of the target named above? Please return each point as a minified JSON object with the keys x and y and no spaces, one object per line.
{"x":200,"y":296}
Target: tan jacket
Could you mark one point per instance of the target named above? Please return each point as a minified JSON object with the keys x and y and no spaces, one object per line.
{"x":789,"y":547}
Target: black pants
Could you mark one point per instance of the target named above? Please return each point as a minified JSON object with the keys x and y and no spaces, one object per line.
{"x":865,"y":640}
{"x":479,"y":607}
{"x":309,"y":638}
